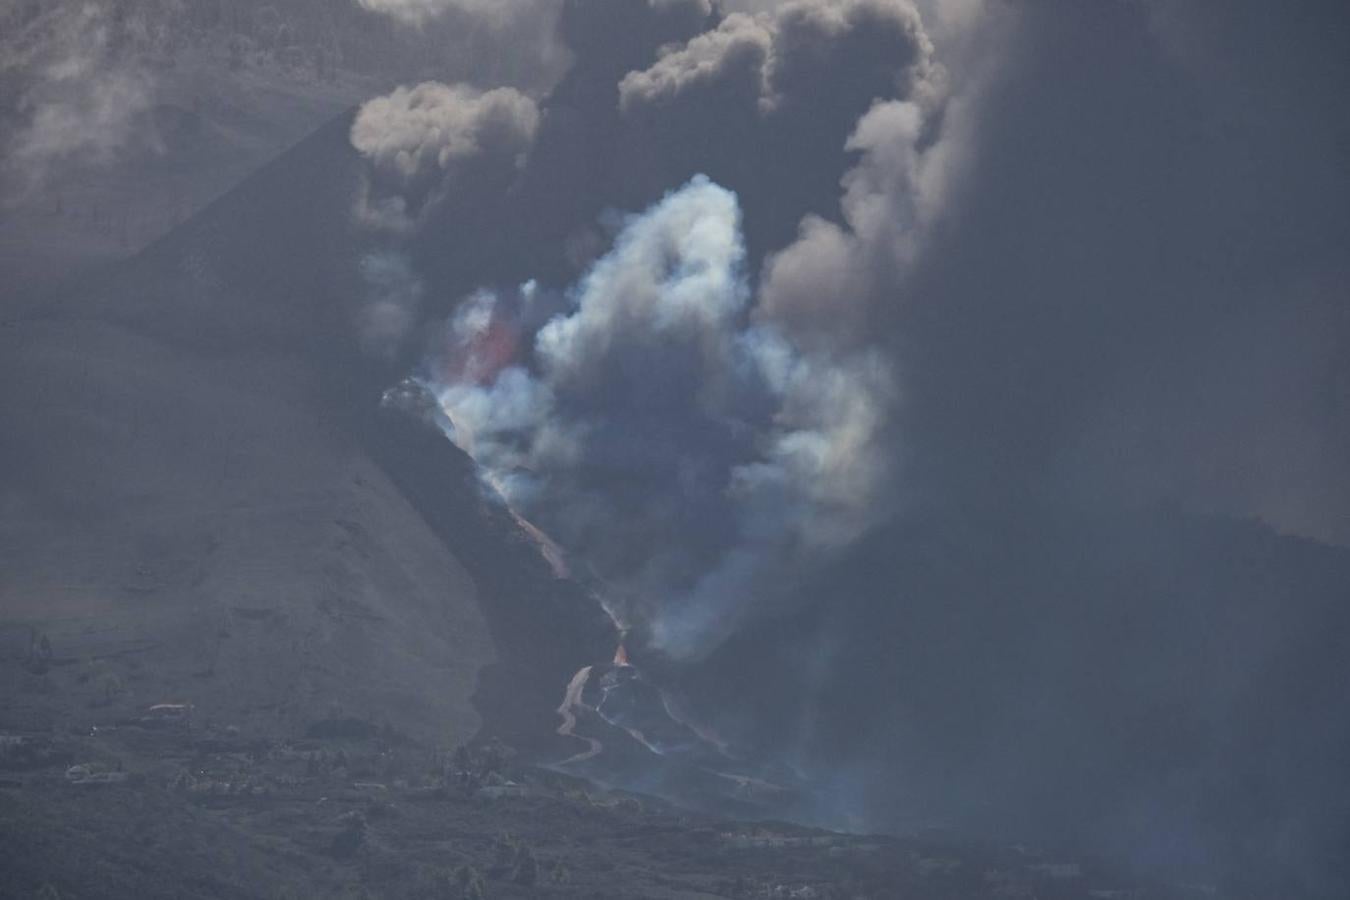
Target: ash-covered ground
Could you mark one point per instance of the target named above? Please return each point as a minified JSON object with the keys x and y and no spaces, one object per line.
{"x":121,"y":800}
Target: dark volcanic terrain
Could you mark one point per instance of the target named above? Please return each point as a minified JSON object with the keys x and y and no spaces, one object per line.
{"x":169,"y":806}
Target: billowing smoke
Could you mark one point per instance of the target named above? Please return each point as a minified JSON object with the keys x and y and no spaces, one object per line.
{"x":787,"y":56}
{"x":394,"y":295}
{"x":700,"y":435}
{"x":939,"y":291}
{"x":85,"y":101}
{"x":988,"y":270}
{"x":419,"y":139}
{"x":782,"y":89}
{"x":419,"y":143}
{"x":891,"y":200}
{"x":696,"y":458}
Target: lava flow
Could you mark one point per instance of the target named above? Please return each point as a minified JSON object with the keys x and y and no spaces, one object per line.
{"x":620,"y":695}
{"x":571,"y":702}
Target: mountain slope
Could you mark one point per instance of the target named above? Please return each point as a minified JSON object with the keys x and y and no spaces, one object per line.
{"x":191,"y":511}
{"x":1146,"y":685}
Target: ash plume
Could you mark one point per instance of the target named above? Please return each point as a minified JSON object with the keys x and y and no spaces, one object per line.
{"x":788,"y":56}
{"x":692,"y":432}
{"x":419,"y":139}
{"x":857,"y":337}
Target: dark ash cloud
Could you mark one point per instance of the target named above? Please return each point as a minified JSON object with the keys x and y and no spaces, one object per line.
{"x":420,"y":139}
{"x":666,"y":393}
{"x":984,"y":312}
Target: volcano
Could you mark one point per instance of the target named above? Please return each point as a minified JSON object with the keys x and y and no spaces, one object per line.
{"x":204,"y":501}
{"x":730,"y":474}
{"x":209,"y":507}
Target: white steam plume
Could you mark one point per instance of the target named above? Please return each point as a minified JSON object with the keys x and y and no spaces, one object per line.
{"x":696,"y":458}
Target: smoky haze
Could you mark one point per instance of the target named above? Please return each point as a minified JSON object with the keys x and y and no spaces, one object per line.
{"x":951,"y":400}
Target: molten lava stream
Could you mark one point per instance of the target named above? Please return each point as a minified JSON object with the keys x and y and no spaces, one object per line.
{"x":571,"y":702}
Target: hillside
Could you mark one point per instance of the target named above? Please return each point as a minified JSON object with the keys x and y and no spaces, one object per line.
{"x":1148,"y":685}
{"x":203,"y":504}
{"x":178,"y":102}
{"x":248,"y":610}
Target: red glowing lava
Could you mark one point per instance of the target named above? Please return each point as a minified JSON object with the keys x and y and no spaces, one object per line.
{"x":483,"y":356}
{"x":621,"y":656}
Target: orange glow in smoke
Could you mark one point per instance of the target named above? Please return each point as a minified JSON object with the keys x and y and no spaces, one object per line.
{"x":490,"y":350}
{"x":621,"y":656}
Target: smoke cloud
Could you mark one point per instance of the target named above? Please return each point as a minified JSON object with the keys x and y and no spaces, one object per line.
{"x":891,"y":200}
{"x":419,"y":139}
{"x":944,"y":304}
{"x":700,"y":433}
{"x":787,"y":56}
{"x":695,"y":459}
{"x":937,"y":306}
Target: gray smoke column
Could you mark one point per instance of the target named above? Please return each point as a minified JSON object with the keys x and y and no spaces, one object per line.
{"x":419,"y":139}
{"x":787,"y":56}
{"x":694,"y":455}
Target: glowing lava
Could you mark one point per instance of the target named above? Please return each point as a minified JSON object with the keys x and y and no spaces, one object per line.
{"x":571,"y":703}
{"x":552,"y":553}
